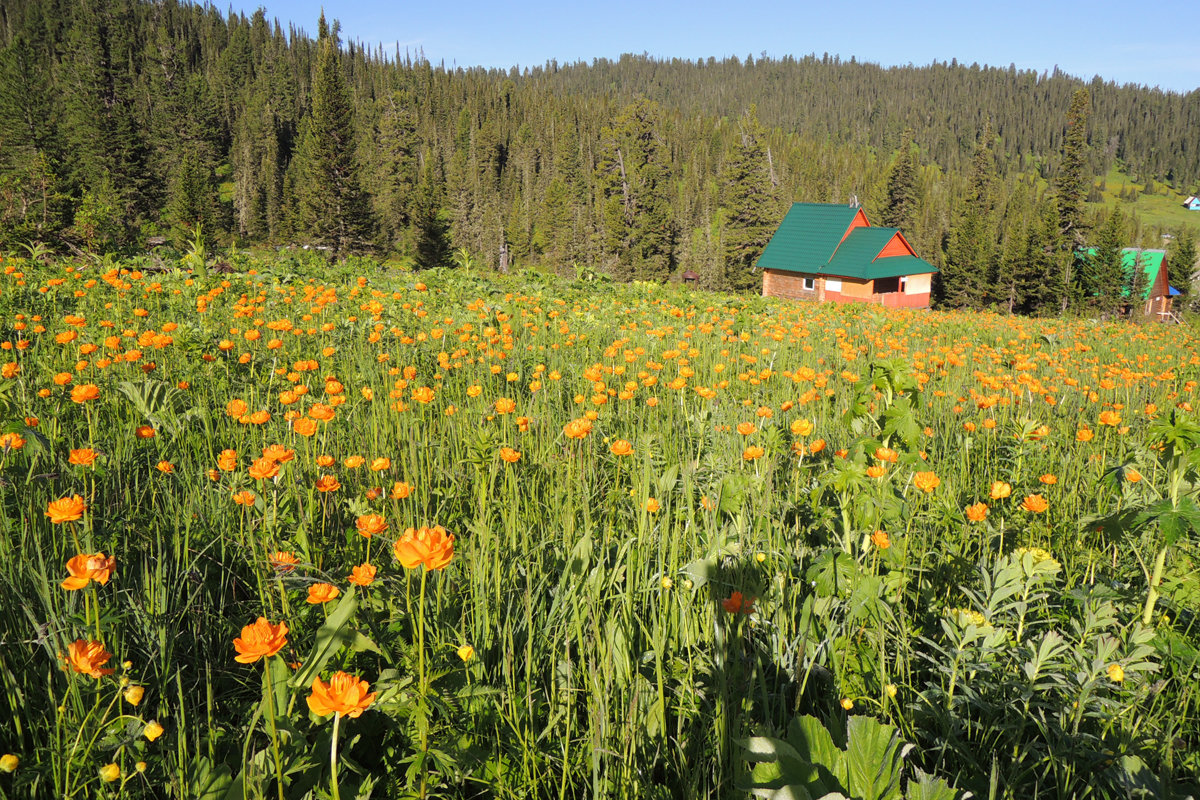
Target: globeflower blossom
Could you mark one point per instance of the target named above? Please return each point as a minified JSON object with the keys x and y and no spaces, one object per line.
{"x":260,"y":639}
{"x":87,"y":658}
{"x":344,"y":694}
{"x":66,"y":509}
{"x":432,"y":548}
{"x":87,"y":567}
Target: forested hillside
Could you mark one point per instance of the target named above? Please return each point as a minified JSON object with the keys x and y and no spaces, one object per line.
{"x":123,"y":120}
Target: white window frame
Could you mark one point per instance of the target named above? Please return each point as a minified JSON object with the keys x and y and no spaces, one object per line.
{"x":809,"y":284}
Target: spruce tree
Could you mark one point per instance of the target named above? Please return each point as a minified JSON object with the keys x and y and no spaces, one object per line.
{"x":903,"y":194}
{"x":1181,"y":262}
{"x":431,"y":228}
{"x":749,"y":201}
{"x":633,"y":174}
{"x":970,"y":257}
{"x":1102,"y":279}
{"x":1074,"y":174}
{"x":333,"y":209}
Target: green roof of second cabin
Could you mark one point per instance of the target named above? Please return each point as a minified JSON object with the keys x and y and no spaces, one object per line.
{"x":1151,"y":260}
{"x":837,"y":240}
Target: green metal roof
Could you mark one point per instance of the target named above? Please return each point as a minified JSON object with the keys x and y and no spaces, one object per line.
{"x":807,"y":237}
{"x":1152,"y":261}
{"x":808,"y":241}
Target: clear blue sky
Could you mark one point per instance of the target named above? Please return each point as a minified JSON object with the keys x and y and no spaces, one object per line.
{"x":1156,"y":44}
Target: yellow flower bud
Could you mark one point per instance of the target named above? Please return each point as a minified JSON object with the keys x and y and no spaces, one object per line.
{"x":110,"y":773}
{"x":466,"y":652}
{"x":667,"y":583}
{"x":1116,"y":673}
{"x":891,"y":690}
{"x":847,"y":703}
{"x":140,"y":766}
{"x":9,"y":762}
{"x":153,"y":730}
{"x":133,"y":695}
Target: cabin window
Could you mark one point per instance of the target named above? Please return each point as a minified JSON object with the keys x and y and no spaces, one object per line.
{"x":904,"y":284}
{"x":887,"y":285}
{"x":810,"y":284}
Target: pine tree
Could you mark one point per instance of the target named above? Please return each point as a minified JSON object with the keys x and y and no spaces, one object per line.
{"x":903,"y":194}
{"x":970,"y":257}
{"x":749,"y":201}
{"x":633,"y":176}
{"x":431,"y":228}
{"x":1182,"y":262}
{"x":333,"y":209}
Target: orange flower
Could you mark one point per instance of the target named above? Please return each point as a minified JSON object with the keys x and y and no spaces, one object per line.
{"x":1049,"y":479}
{"x":66,"y":509}
{"x":85,"y":392}
{"x":236,"y":408}
{"x":509,"y":455}
{"x":304,"y":426}
{"x":344,"y":694}
{"x":401,"y":490}
{"x":227,"y":461}
{"x":166,"y":467}
{"x":262,"y":639}
{"x":328,"y":483}
{"x":505,"y":406}
{"x":1000,"y":490}
{"x":320,"y":593}
{"x":652,"y":505}
{"x":737,"y":603}
{"x":432,"y":547}
{"x":278,"y":453}
{"x":325,"y":460}
{"x":145,"y":432}
{"x":801,"y":427}
{"x":363,"y":575}
{"x":752,"y":452}
{"x":243,"y":498}
{"x":1110,"y":418}
{"x":1035,"y":504}
{"x":1132,"y":475}
{"x":816,"y":446}
{"x":620,"y":448}
{"x":977,"y":512}
{"x":87,"y":658}
{"x":85,"y":568}
{"x":877,"y":471}
{"x":11,"y":441}
{"x":746,"y":428}
{"x":881,"y":540}
{"x":1084,"y":434}
{"x":82,"y":457}
{"x":886,"y":454}
{"x":321,"y":412}
{"x":284,"y":561}
{"x":423,"y":394}
{"x":380,"y":464}
{"x":577,"y":428}
{"x":370,"y":524}
{"x":926,"y":481}
{"x":264,"y":469}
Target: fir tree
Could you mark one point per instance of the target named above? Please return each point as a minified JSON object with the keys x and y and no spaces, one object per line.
{"x":431,"y":229}
{"x":970,"y":256}
{"x":749,"y":201}
{"x":1101,"y":278}
{"x":1182,"y":262}
{"x":333,"y":209}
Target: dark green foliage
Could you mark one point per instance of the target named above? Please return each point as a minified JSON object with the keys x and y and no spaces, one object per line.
{"x":1101,"y":275}
{"x":633,"y":176}
{"x":970,"y":258}
{"x":1182,"y":261}
{"x":1074,"y":173}
{"x":431,"y":232}
{"x":903,"y":195}
{"x":750,"y":204}
{"x":333,"y":210}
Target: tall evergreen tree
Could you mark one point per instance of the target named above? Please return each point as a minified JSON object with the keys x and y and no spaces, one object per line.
{"x":970,"y":258}
{"x":1074,"y":172}
{"x":633,"y":174}
{"x":1102,"y":278}
{"x":333,"y":209}
{"x":431,"y":228}
{"x":749,"y":201}
{"x":1181,"y":262}
{"x":903,"y":192}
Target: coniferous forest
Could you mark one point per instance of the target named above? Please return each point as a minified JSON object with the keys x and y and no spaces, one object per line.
{"x":126,"y":122}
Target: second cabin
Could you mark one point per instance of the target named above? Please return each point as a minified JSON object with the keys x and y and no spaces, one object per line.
{"x":831,"y":253}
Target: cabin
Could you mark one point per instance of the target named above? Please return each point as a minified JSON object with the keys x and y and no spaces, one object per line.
{"x":830,"y":253}
{"x":1155,"y":302}
{"x":1192,"y":203}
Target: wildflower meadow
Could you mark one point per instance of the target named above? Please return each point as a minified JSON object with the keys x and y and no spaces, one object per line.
{"x":301,"y":530}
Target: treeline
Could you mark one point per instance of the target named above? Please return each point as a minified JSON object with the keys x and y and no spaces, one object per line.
{"x":123,"y":120}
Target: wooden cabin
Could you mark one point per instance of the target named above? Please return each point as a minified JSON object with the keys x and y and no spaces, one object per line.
{"x":831,"y":253}
{"x":1192,"y":203}
{"x":1155,"y":301}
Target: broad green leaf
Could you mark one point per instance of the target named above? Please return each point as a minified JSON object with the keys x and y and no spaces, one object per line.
{"x":331,"y":637}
